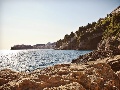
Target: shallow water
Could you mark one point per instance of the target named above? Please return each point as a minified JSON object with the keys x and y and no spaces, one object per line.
{"x":28,"y":60}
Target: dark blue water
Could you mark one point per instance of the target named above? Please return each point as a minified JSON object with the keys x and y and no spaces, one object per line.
{"x":28,"y":60}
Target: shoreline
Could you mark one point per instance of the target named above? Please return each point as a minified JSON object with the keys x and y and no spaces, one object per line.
{"x":83,"y":76}
{"x":30,"y":60}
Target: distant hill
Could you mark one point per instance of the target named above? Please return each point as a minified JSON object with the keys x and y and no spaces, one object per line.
{"x":87,"y":37}
{"x":37,"y":46}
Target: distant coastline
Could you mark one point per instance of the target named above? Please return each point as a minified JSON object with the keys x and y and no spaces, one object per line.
{"x":37,"y":46}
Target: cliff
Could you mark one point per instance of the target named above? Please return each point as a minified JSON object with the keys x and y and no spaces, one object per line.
{"x":87,"y":37}
{"x":110,"y":43}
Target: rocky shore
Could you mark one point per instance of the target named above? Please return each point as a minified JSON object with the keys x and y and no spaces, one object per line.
{"x":102,"y":74}
{"x":98,"y":70}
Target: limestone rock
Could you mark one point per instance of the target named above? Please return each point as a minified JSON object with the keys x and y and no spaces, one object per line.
{"x":97,"y":76}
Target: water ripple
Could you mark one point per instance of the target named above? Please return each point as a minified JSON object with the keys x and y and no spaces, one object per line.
{"x":28,"y":60}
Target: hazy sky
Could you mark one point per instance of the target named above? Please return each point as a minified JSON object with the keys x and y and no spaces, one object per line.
{"x":42,"y":21}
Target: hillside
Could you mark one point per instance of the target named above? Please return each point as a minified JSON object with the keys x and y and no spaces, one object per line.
{"x":109,"y":45}
{"x":87,"y":37}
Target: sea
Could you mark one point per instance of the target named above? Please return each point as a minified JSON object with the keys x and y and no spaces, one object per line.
{"x":29,"y":60}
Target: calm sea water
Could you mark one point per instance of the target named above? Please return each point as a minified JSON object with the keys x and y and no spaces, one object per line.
{"x":28,"y":60}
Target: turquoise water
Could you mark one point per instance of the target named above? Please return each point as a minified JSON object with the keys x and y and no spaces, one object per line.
{"x":28,"y":60}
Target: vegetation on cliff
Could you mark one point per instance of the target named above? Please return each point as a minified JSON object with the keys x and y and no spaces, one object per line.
{"x":109,"y":45}
{"x":88,"y":37}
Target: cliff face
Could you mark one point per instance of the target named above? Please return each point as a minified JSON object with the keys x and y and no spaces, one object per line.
{"x":110,"y":44}
{"x":91,"y":42}
{"x":108,"y":47}
{"x":88,"y":37}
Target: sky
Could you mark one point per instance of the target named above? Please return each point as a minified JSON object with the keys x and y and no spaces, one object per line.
{"x":40,"y":21}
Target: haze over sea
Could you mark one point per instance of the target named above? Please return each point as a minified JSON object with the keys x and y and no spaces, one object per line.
{"x":29,"y":60}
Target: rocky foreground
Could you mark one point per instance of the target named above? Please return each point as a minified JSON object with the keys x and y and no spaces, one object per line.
{"x":102,"y":74}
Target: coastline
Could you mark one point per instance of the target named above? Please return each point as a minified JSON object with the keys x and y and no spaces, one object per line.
{"x":97,"y":70}
{"x":93,"y":75}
